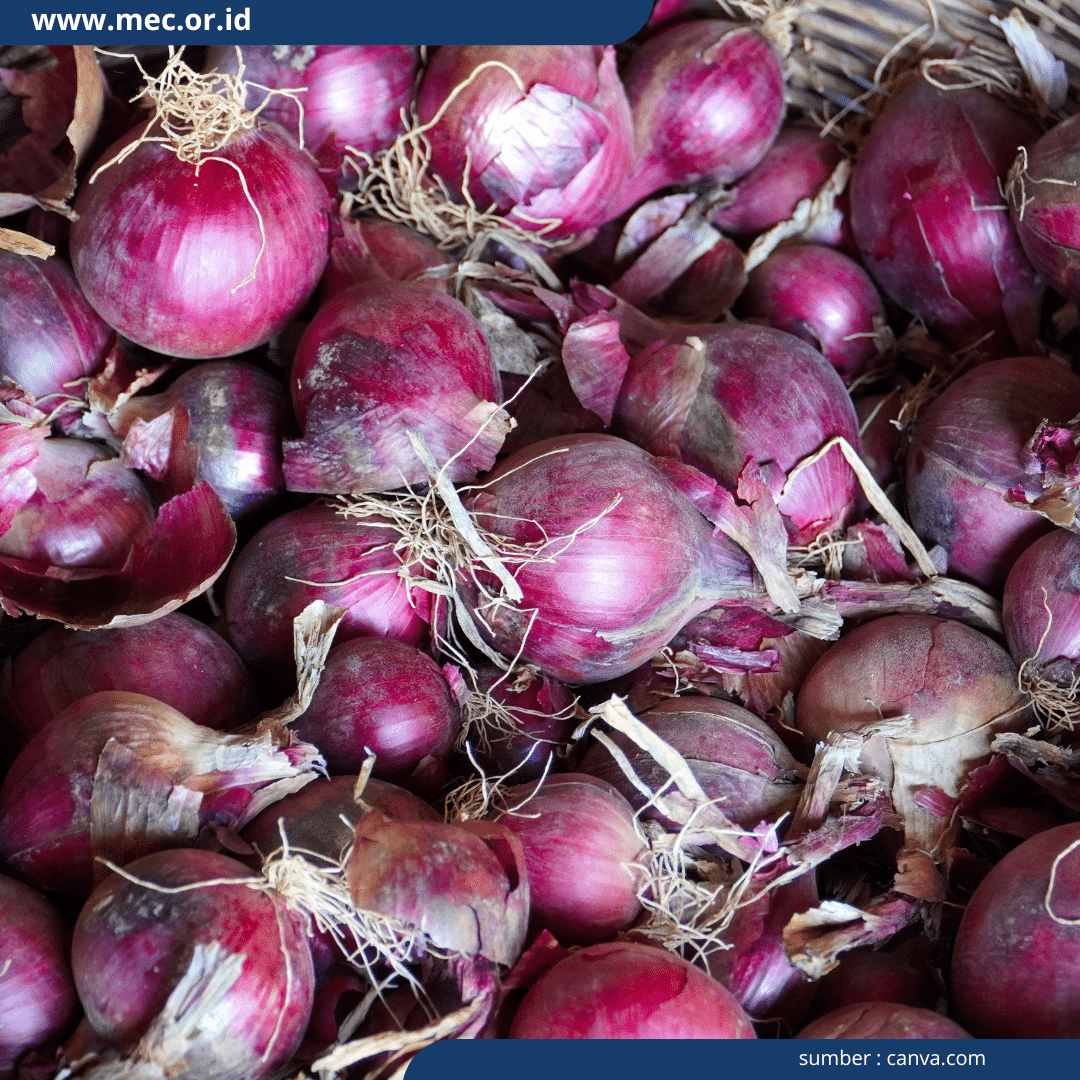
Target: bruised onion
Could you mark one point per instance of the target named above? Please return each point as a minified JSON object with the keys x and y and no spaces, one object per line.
{"x":581,"y":845}
{"x":185,"y":970}
{"x":707,"y":98}
{"x":382,"y":359}
{"x":610,"y":556}
{"x":882,"y":1020}
{"x":49,"y":334}
{"x":380,"y":696}
{"x":968,"y":449}
{"x":175,"y":659}
{"x":1017,"y":951}
{"x":952,"y":689}
{"x":542,"y":132}
{"x":203,"y":249}
{"x":119,"y":774}
{"x":928,"y":219}
{"x":37,"y":995}
{"x":739,"y":391}
{"x":316,"y":553}
{"x":625,"y":990}
{"x":823,"y":297}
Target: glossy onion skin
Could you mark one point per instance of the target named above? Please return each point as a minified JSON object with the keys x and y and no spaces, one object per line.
{"x":161,"y":253}
{"x":133,"y":943}
{"x":624,"y":990}
{"x":1015,"y":967}
{"x":967,"y":450}
{"x":927,"y":215}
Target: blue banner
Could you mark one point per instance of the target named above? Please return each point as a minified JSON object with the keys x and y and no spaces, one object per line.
{"x":792,"y":1059}
{"x":320,"y":22}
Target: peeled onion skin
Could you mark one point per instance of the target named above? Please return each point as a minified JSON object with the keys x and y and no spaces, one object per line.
{"x":882,"y":1020}
{"x":161,"y":254}
{"x":37,"y":995}
{"x":133,"y":943}
{"x":925,"y":216}
{"x":1015,"y":961}
{"x":625,"y":990}
{"x":967,"y":449}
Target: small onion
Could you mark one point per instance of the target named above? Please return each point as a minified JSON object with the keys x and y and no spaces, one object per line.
{"x":37,"y":995}
{"x":926,"y":215}
{"x":49,"y":334}
{"x":882,"y":1020}
{"x":383,"y":696}
{"x":549,"y":140}
{"x":1016,"y":960}
{"x":707,"y":98}
{"x":581,"y":843}
{"x":190,"y":261}
{"x":967,"y":450}
{"x":145,"y":936}
{"x":626,"y":990}
{"x":175,"y":659}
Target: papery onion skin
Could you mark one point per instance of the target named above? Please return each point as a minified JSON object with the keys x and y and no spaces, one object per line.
{"x":928,"y":219}
{"x":380,"y":359}
{"x":823,"y":297}
{"x":49,"y":334}
{"x":707,"y":98}
{"x":383,"y":696}
{"x":1040,"y":607}
{"x":351,"y":564}
{"x":753,"y":391}
{"x":371,"y":247}
{"x":1016,"y":957}
{"x":163,"y":255}
{"x":967,"y":450}
{"x":134,"y":942}
{"x":559,"y":151}
{"x":626,"y":990}
{"x":236,"y":416}
{"x":581,"y":844}
{"x":37,"y":995}
{"x":631,"y":560}
{"x":882,"y":1020}
{"x":175,"y":659}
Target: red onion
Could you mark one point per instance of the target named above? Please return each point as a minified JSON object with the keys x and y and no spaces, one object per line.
{"x":881,"y":439}
{"x":352,"y":95}
{"x":741,"y":765}
{"x":882,"y":1020}
{"x":967,"y":451}
{"x":903,"y":975}
{"x":957,"y":686}
{"x":379,"y":360}
{"x":1044,"y":206}
{"x":823,"y":297}
{"x":216,"y":976}
{"x":749,"y":391}
{"x":621,"y":558}
{"x":204,"y":255}
{"x":1017,"y":951}
{"x":372,"y":248}
{"x":927,"y":217}
{"x":49,"y":334}
{"x":119,"y":774}
{"x":581,"y":846}
{"x":316,"y":553}
{"x":175,"y":659}
{"x":550,"y":143}
{"x":628,"y":991}
{"x":707,"y":98}
{"x":37,"y":996}
{"x":220,"y":422}
{"x":795,"y":167}
{"x":382,"y":696}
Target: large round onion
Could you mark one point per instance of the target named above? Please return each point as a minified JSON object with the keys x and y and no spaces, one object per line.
{"x":882,"y":1020}
{"x":1016,"y":961}
{"x":174,"y":921}
{"x":628,"y":991}
{"x":967,"y":451}
{"x":186,"y":260}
